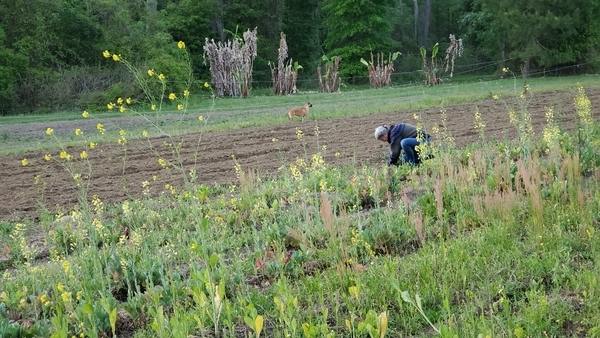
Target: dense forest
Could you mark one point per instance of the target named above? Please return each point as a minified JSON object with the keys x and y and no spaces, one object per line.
{"x":52,"y":50}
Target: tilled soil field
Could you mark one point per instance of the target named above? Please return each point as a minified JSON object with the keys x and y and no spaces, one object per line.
{"x":260,"y":149}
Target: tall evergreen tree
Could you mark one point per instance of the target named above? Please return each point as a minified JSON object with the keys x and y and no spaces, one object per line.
{"x":354,"y":29}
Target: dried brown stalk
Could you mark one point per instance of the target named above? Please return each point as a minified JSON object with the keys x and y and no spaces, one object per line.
{"x":329,"y":77}
{"x":284,"y":76}
{"x":231,"y":64}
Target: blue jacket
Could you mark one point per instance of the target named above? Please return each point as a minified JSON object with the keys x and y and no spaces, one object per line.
{"x":396,"y":134}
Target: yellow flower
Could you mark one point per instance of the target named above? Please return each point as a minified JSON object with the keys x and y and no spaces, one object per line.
{"x":201,"y":118}
{"x":122,"y":109}
{"x":65,"y":266}
{"x":120,"y":101}
{"x":63,"y":154}
{"x":161,"y":76}
{"x":179,"y":106}
{"x":78,"y":132}
{"x":128,"y":100}
{"x":153,"y":107}
{"x":206,"y":85}
{"x":122,"y":132}
{"x":66,"y":296}
{"x":100,"y":128}
{"x":172,"y":96}
{"x":162,"y":163}
{"x":85,"y":114}
{"x":150,"y":72}
{"x":181,"y":45}
{"x":106,"y":54}
{"x":115,"y":57}
{"x":49,"y":131}
{"x":186,"y":93}
{"x":24,"y":162}
{"x":110,"y":106}
{"x":495,"y":97}
{"x":60,"y":287}
{"x":93,"y":145}
{"x":144,"y":134}
{"x":47,"y":157}
{"x":83,"y":155}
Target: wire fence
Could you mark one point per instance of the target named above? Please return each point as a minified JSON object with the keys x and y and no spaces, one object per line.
{"x":477,"y":68}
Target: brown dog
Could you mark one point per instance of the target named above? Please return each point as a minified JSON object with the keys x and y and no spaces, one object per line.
{"x":300,"y":111}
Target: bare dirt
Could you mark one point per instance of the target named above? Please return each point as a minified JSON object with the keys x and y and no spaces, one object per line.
{"x":114,"y":179}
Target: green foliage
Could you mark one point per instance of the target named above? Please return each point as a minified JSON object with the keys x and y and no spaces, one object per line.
{"x":301,"y":26}
{"x":47,"y":47}
{"x":189,"y":21}
{"x":12,"y":65}
{"x":546,"y":34}
{"x":355,"y":29}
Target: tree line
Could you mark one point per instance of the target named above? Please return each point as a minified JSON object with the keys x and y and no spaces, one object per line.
{"x":51,"y":50}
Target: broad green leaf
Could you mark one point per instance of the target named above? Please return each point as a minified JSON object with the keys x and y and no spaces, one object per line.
{"x":212,"y":261}
{"x":59,"y":334}
{"x":258,"y":324}
{"x":249,"y":322}
{"x":88,"y":309}
{"x":418,"y":299}
{"x":383,"y":321}
{"x":113,"y":319}
{"x":406,"y":297}
{"x":519,"y":332}
{"x":306,"y":330}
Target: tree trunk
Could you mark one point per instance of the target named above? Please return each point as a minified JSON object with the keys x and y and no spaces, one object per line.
{"x":416,"y":2}
{"x":151,"y":9}
{"x":426,"y":22}
{"x":217,"y":20}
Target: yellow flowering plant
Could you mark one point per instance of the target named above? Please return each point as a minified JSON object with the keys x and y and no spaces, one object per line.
{"x":154,"y":84}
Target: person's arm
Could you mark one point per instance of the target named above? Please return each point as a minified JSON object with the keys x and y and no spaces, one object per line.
{"x":396,"y":150}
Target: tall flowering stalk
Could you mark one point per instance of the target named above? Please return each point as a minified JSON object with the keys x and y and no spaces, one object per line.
{"x":479,"y":124}
{"x":588,"y":144}
{"x":156,"y":100}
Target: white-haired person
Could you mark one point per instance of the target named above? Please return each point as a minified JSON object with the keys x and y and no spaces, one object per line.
{"x":402,"y":137}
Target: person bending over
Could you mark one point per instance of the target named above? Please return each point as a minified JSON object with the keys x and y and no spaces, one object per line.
{"x":402,"y":137}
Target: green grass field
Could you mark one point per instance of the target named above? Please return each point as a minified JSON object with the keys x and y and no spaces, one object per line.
{"x":498,"y":240}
